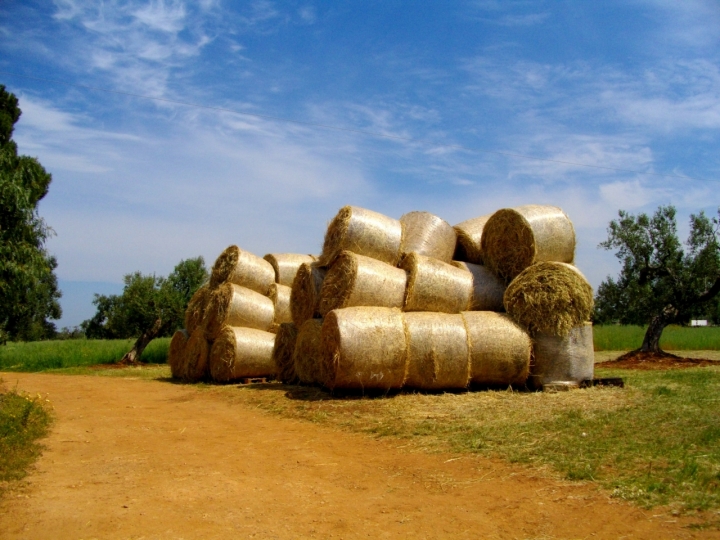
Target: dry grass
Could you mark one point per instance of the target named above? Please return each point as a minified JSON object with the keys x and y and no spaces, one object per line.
{"x":469,"y":239}
{"x":233,"y":305}
{"x":305,"y":293}
{"x":433,"y":285}
{"x":195,"y":311}
{"x":177,"y":354}
{"x":286,"y":265}
{"x":243,"y":268}
{"x":242,"y":352}
{"x":429,"y":235}
{"x":285,"y":341}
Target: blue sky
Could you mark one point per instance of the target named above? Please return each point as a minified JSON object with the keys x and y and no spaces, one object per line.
{"x":450,"y":95}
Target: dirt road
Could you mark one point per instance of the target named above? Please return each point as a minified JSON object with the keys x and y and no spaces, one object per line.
{"x":150,"y":459}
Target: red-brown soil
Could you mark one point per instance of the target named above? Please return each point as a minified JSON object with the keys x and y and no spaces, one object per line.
{"x":151,"y":459}
{"x":651,"y":360}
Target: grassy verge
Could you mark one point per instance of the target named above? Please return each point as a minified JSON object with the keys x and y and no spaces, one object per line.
{"x":674,"y":338}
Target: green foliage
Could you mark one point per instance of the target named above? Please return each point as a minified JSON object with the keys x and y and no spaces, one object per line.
{"x":28,"y":286}
{"x":613,"y":337}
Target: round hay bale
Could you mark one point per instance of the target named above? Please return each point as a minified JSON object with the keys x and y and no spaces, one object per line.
{"x":356,"y":280}
{"x":242,"y":268}
{"x":500,"y":350}
{"x":569,"y":359}
{"x":429,"y":235}
{"x":233,"y":305}
{"x":433,"y":285}
{"x":550,"y":297}
{"x":364,"y":348}
{"x":242,"y":352}
{"x":177,"y":357}
{"x":305,"y":293}
{"x":363,"y":232}
{"x":438,"y":352}
{"x":515,"y":238}
{"x":283,"y":353}
{"x":307,"y":356}
{"x":197,"y":352}
{"x":488,"y":289}
{"x":195,"y":311}
{"x":469,"y":237}
{"x":286,"y":265}
{"x":280,"y":297}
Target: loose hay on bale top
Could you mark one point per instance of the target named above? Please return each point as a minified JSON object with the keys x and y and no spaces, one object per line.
{"x":356,"y":280}
{"x":177,"y":358}
{"x":429,"y":235}
{"x":438,"y":352}
{"x":469,"y":237}
{"x":305,"y":293}
{"x":515,"y":238}
{"x":569,"y":359}
{"x":197,"y":351}
{"x":282,"y":354}
{"x":363,"y":232}
{"x":195,"y":311}
{"x":500,"y":350}
{"x":307,"y":356}
{"x":364,"y":348}
{"x":233,"y":305}
{"x":286,"y":265}
{"x":550,"y":297}
{"x":488,"y":289}
{"x":433,"y":285}
{"x":280,"y":297}
{"x":242,"y":268}
{"x":242,"y":352}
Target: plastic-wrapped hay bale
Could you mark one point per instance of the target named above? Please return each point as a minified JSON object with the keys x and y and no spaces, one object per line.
{"x":438,"y":352}
{"x":286,"y":265}
{"x":433,"y":285}
{"x":307,"y":356}
{"x":363,"y":232}
{"x":242,"y":268}
{"x":197,"y":351}
{"x":364,"y":348}
{"x":500,"y":350}
{"x":469,"y":236}
{"x":515,"y":238}
{"x":356,"y":280}
{"x":177,"y":358}
{"x":285,"y":340}
{"x":569,"y":359}
{"x":305,"y":293}
{"x":429,"y":235}
{"x":550,"y":297}
{"x":195,"y":311}
{"x":242,"y":352}
{"x":280,"y":296}
{"x":232,"y":305}
{"x":488,"y":289}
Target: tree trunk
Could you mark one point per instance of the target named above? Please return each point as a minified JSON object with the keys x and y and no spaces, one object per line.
{"x":134,"y":354}
{"x":651,"y":342}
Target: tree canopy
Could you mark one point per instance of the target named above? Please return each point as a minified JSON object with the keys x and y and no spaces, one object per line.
{"x":661,"y":281}
{"x":28,"y":286}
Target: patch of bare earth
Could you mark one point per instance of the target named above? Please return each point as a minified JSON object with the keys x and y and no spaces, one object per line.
{"x":657,"y":361}
{"x":151,"y":459}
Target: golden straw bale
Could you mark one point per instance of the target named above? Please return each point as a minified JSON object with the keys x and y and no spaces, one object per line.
{"x":233,"y":305}
{"x":429,"y":235}
{"x":363,"y":232}
{"x":469,"y":237}
{"x":195,"y":311}
{"x":364,"y":348}
{"x":438,"y":352}
{"x":286,"y":265}
{"x":197,"y":351}
{"x":242,"y":352}
{"x":242,"y":268}
{"x":356,"y":280}
{"x":488,"y":289}
{"x":307,"y":356}
{"x":177,"y":357}
{"x":305,"y":294}
{"x":436,"y":286}
{"x":550,"y":297}
{"x":283,"y":353}
{"x":515,"y":238}
{"x":500,"y":350}
{"x":280,"y":296}
{"x":563,"y":359}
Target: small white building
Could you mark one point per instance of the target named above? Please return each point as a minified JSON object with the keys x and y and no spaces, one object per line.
{"x":698,"y":323}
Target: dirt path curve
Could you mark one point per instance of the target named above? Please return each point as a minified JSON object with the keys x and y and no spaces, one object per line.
{"x":148,"y":459}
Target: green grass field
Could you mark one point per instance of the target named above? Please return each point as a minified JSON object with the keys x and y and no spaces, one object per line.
{"x":674,"y":338}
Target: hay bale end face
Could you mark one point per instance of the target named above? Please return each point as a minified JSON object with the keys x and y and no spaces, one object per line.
{"x":550,"y":297}
{"x":569,"y":359}
{"x":286,"y":265}
{"x":177,"y":359}
{"x":242,"y":352}
{"x":363,"y":232}
{"x":433,"y":285}
{"x":197,"y":352}
{"x":280,"y":297}
{"x":356,"y":280}
{"x":364,"y":348}
{"x":515,"y":238}
{"x":469,"y":237}
{"x":195,"y":311}
{"x":242,"y":268}
{"x":233,"y":305}
{"x":307,"y":356}
{"x":305,"y":293}
{"x":283,"y":353}
{"x":438,"y":352}
{"x":428,"y":235}
{"x":488,"y":289}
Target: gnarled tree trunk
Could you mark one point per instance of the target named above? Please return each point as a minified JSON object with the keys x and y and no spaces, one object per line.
{"x":651,"y":341}
{"x":134,"y":354}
